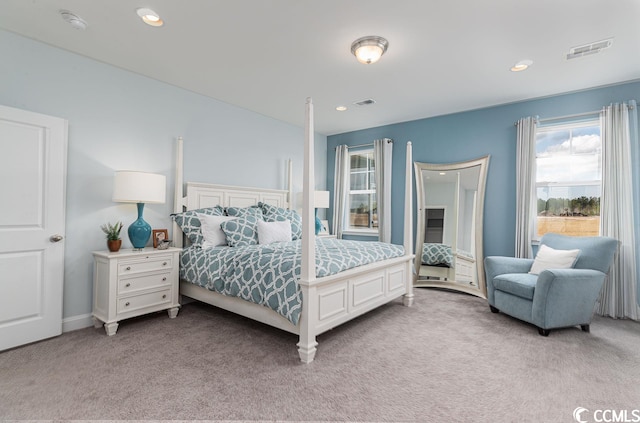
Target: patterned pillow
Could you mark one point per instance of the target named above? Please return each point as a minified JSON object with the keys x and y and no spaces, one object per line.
{"x":275,"y":214}
{"x":241,"y":232}
{"x":253,"y":211}
{"x":190,"y":224}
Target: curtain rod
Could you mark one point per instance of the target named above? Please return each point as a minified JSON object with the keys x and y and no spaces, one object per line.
{"x":389,"y":140}
{"x":595,"y":112}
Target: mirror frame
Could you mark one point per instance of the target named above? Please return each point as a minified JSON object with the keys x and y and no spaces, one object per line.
{"x":483,"y":162}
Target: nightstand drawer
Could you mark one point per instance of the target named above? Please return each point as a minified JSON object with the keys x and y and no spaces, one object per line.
{"x":145,"y":265}
{"x":129,"y":285}
{"x":137,"y":302}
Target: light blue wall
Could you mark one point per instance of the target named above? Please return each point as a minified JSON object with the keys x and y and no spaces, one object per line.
{"x":469,"y":135}
{"x":121,"y":120}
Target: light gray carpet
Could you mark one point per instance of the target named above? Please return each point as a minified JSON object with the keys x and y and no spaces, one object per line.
{"x":447,"y":359}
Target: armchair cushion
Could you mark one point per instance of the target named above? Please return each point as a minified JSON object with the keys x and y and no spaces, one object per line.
{"x":550,"y":258}
{"x":519,"y":284}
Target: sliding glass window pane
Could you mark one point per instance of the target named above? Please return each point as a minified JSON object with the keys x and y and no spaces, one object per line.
{"x":574,"y":168}
{"x":549,"y":143}
{"x":358,"y":181}
{"x":359,"y":210}
{"x":359,"y":162}
{"x":569,"y":210}
{"x":586,"y":140}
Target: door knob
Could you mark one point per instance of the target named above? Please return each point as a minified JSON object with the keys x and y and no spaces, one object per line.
{"x":56,"y":238}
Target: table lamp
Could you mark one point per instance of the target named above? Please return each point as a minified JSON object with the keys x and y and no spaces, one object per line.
{"x":140,"y":188}
{"x":320,"y":201}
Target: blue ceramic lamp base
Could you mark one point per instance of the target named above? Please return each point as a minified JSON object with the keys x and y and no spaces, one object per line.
{"x":318,"y":223}
{"x":139,"y":231}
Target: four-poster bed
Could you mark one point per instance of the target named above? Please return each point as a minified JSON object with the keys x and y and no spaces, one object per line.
{"x":327,"y":301}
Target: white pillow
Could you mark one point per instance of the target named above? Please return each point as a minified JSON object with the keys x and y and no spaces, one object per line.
{"x":548,"y":258}
{"x":211,"y":231}
{"x":269,"y":232}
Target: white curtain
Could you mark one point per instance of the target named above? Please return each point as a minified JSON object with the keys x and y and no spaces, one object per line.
{"x":382,"y":153}
{"x":619,"y":296}
{"x":525,"y":185}
{"x":340,"y":189}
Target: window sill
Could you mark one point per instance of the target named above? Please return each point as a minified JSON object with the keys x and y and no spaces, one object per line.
{"x":353,"y":232}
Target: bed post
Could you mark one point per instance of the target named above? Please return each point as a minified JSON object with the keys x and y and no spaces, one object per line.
{"x":290,"y":183}
{"x":307,"y":344}
{"x":178,"y":195}
{"x":408,"y":224}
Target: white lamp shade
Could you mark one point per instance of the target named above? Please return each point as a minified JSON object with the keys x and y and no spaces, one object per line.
{"x":321,"y":199}
{"x":139,"y":187}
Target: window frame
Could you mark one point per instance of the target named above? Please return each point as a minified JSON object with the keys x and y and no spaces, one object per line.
{"x":348,"y":229}
{"x":549,"y":184}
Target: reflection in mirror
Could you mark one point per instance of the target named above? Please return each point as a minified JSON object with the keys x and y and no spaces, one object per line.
{"x":449,"y":231}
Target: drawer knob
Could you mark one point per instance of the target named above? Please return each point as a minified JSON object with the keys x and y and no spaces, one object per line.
{"x":127,"y":304}
{"x":128,"y":268}
{"x":164,"y":279}
{"x":164,"y":264}
{"x":127,"y":285}
{"x":164,"y":296}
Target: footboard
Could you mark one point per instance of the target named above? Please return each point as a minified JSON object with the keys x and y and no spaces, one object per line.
{"x":333,"y":300}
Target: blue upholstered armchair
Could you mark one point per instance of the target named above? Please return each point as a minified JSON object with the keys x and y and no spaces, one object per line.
{"x":555,"y":298}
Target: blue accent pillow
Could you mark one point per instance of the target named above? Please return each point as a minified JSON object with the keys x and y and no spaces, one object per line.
{"x":275,"y":214}
{"x":190,"y":224}
{"x":241,"y":232}
{"x":253,"y":211}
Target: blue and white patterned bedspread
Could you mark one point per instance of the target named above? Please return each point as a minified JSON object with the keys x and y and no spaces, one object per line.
{"x":268,"y":274}
{"x":437,"y":255}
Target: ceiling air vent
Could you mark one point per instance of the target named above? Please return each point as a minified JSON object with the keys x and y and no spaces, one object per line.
{"x":588,"y":49}
{"x":366,"y":102}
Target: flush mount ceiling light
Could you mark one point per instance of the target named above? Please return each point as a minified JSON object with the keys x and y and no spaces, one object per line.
{"x":521,"y":65}
{"x":74,"y":20}
{"x":341,"y":108}
{"x":149,"y":17}
{"x":369,"y":49}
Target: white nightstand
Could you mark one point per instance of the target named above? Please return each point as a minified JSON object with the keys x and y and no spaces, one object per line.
{"x":131,"y":283}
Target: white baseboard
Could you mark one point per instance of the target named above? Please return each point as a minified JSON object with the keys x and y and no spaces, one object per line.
{"x":76,"y":322}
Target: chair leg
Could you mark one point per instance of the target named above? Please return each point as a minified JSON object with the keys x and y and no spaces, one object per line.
{"x":493,"y":309}
{"x":543,"y":332}
{"x":585,"y":328}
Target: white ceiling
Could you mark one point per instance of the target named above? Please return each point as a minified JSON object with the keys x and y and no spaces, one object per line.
{"x":444,"y":56}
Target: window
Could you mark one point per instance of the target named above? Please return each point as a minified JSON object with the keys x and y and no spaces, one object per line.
{"x":363,"y":212}
{"x":568,"y":179}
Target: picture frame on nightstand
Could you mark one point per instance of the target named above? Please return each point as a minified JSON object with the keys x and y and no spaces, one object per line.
{"x":159,"y":236}
{"x":325,"y":228}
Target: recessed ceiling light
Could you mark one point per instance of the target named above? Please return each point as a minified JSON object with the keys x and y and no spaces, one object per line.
{"x":521,"y":65}
{"x":341,"y":108}
{"x":149,"y":17}
{"x":443,"y":173}
{"x":74,"y":20}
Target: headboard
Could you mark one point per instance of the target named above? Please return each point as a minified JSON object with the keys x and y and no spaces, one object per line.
{"x":201,"y":195}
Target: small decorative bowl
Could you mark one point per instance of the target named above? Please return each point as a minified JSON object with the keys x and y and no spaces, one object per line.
{"x":163,"y":245}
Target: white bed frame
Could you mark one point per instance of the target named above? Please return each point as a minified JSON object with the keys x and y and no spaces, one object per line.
{"x":328,"y":301}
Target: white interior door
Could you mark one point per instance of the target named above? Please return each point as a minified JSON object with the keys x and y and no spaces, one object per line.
{"x":33,"y":168}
